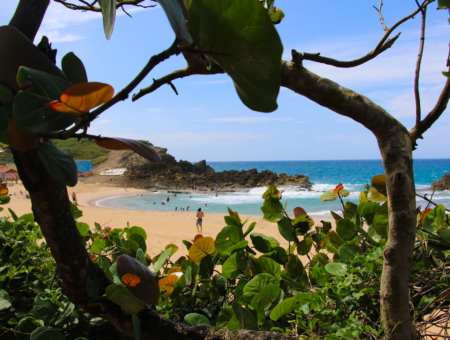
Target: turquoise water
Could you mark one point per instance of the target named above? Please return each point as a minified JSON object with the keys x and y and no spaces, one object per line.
{"x":325,"y":175}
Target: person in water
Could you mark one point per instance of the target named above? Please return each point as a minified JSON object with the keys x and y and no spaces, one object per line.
{"x":200,"y":216}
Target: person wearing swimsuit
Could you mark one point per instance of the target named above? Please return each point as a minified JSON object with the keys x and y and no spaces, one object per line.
{"x":200,"y":216}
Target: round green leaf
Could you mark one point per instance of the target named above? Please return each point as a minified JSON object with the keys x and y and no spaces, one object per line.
{"x":272,"y":210}
{"x":5,"y":299}
{"x":336,"y":268}
{"x":74,"y":69}
{"x":23,"y":330}
{"x":319,"y":258}
{"x":346,"y":229}
{"x":244,"y":316}
{"x":369,"y":211}
{"x":283,"y":308}
{"x":83,"y":228}
{"x":234,"y":266}
{"x":286,"y":229}
{"x":97,"y":246}
{"x":331,"y":196}
{"x":335,"y":239}
{"x":240,"y":36}
{"x":348,"y":251}
{"x":139,"y":240}
{"x":381,"y":221}
{"x":228,"y":238}
{"x":268,"y":295}
{"x":264,"y":243}
{"x":227,"y":319}
{"x":256,"y":285}
{"x":44,"y":333}
{"x":30,"y":112}
{"x":304,"y":247}
{"x":58,"y":164}
{"x":123,"y":297}
{"x":137,"y":230}
{"x":176,"y":18}
{"x":44,"y":309}
{"x":194,"y":319}
{"x":269,"y":266}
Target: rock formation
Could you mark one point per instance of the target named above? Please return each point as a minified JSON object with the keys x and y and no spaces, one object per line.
{"x":170,"y":174}
{"x":442,"y":184}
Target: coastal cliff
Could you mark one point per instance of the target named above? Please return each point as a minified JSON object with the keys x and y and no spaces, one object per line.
{"x":442,"y":184}
{"x":173,"y":174}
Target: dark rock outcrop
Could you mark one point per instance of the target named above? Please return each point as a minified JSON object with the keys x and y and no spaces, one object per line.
{"x":442,"y":184}
{"x":170,"y":174}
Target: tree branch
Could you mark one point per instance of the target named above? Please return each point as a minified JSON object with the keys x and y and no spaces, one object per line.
{"x":417,"y":73}
{"x":122,"y":95}
{"x":92,"y":8}
{"x":26,"y":23}
{"x":299,"y":57}
{"x":418,"y":130}
{"x":430,"y":201}
{"x":381,"y":16}
{"x":188,"y":71}
{"x":382,"y":46}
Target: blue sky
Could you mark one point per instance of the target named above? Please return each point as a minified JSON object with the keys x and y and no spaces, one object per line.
{"x":208,"y":121}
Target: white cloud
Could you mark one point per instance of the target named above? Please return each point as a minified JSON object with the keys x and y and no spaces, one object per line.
{"x":246,"y":120}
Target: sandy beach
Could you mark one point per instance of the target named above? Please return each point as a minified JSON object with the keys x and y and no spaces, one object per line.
{"x":162,"y":227}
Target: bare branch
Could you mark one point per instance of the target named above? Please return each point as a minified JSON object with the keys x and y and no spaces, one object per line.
{"x":90,"y":7}
{"x":381,"y":16}
{"x":429,"y":200}
{"x":382,"y":46}
{"x":418,"y":63}
{"x":122,"y":95}
{"x":188,"y":71}
{"x":299,"y":57}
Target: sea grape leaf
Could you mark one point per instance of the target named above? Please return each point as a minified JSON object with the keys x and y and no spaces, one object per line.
{"x":369,"y":211}
{"x":6,"y":113}
{"x":304,"y":247}
{"x":241,"y":38}
{"x":81,"y":98}
{"x":348,"y":251}
{"x":17,"y":50}
{"x":19,"y":139}
{"x":245,"y":318}
{"x":228,"y":238}
{"x":286,"y":229}
{"x":268,"y":295}
{"x":331,"y":196}
{"x":234,"y":266}
{"x":227,"y":319}
{"x":283,"y":308}
{"x":346,"y":229}
{"x":74,"y":69}
{"x":336,"y":268}
{"x":194,"y":319}
{"x":256,"y":285}
{"x":201,"y":248}
{"x":381,"y":221}
{"x":122,"y":144}
{"x":58,"y":164}
{"x":176,"y":18}
{"x":6,"y":95}
{"x":109,"y":16}
{"x":30,"y":112}
{"x":269,"y":266}
{"x":167,"y":284}
{"x":44,"y":308}
{"x":272,"y":209}
{"x":123,"y":297}
{"x":5,"y":300}
{"x":139,"y":231}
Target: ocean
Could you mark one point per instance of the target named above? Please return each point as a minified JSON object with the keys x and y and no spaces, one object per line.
{"x":325,"y":175}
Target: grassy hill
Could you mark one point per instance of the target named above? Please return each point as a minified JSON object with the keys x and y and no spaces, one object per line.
{"x":82,"y":150}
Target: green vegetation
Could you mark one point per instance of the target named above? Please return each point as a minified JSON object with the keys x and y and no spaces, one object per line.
{"x":98,"y":160}
{"x":262,"y":286}
{"x":80,"y":150}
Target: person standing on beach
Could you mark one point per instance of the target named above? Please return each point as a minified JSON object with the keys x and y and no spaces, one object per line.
{"x":125,"y":186}
{"x":200,"y":216}
{"x":74,"y":197}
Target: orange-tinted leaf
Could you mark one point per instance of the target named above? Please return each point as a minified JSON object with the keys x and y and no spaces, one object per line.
{"x":174,"y":270}
{"x":3,"y":189}
{"x":131,"y":280}
{"x":201,"y":248}
{"x":82,"y":97}
{"x":19,"y":139}
{"x":424,"y":214}
{"x":122,"y":144}
{"x":379,"y":183}
{"x":174,"y":248}
{"x":298,"y":211}
{"x":338,"y":188}
{"x":321,"y":244}
{"x":198,"y":236}
{"x":167,"y":284}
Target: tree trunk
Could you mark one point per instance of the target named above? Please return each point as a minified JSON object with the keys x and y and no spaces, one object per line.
{"x":395,"y":145}
{"x":398,"y":254}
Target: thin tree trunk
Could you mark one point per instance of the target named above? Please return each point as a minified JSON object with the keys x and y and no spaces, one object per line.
{"x":398,"y":254}
{"x":395,"y":145}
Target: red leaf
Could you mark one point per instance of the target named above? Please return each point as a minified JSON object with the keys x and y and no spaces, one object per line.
{"x":338,"y":188}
